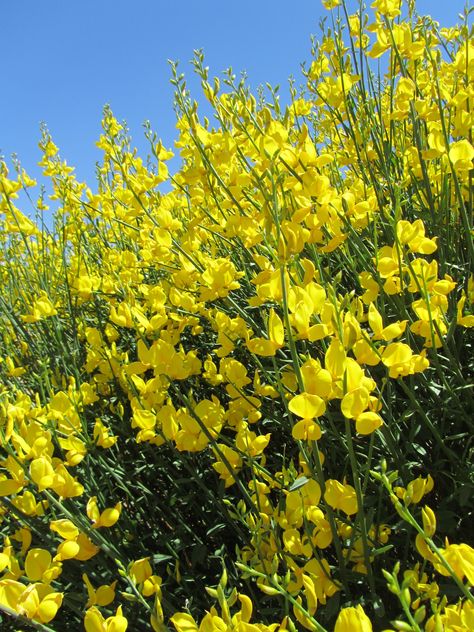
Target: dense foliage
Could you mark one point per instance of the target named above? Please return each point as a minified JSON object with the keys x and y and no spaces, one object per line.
{"x":240,"y":397}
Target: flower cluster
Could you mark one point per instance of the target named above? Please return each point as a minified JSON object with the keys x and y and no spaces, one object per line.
{"x":263,"y":366}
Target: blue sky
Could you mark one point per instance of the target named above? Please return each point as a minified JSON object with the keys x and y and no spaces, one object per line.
{"x":62,"y":60}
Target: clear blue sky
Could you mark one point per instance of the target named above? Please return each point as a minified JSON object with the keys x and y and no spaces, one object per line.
{"x":62,"y":60}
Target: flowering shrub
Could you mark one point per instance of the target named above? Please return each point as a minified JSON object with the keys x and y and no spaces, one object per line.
{"x":243,"y":401}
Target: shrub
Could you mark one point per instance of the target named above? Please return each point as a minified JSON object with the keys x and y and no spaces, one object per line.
{"x":228,"y":394}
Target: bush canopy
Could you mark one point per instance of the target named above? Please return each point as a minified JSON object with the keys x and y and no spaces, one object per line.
{"x":239,"y":397}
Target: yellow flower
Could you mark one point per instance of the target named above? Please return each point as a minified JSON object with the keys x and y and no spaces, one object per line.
{"x":184,"y":622}
{"x":367,"y":422}
{"x":95,"y":622}
{"x":461,"y":559}
{"x":42,"y":308}
{"x":307,"y":406}
{"x":355,"y":402}
{"x":416,"y":489}
{"x":276,"y":337}
{"x":249,"y":442}
{"x":36,"y":601}
{"x":219,"y":278}
{"x":353,"y":620}
{"x":389,"y":8}
{"x":140,"y":570}
{"x":461,"y":154}
{"x":233,"y":459}
{"x":106,"y":518}
{"x":397,"y":357}
{"x":331,"y":4}
{"x":317,"y":381}
{"x":339,"y":496}
{"x":101,"y":435}
{"x":101,"y":596}
{"x":306,"y":429}
{"x":39,"y":566}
